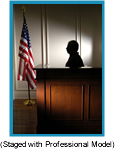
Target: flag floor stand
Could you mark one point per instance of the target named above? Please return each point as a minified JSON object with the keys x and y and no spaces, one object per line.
{"x":29,"y":102}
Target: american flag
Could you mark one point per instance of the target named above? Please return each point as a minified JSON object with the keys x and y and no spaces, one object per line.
{"x":26,"y":62}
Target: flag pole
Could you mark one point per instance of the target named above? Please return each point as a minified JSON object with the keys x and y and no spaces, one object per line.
{"x":29,"y":92}
{"x":23,"y":9}
{"x":29,"y":102}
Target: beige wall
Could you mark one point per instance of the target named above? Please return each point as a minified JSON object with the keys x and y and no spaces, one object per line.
{"x":91,"y":35}
{"x":51,"y":27}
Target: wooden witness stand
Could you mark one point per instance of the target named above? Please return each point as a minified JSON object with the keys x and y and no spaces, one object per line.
{"x":69,"y":101}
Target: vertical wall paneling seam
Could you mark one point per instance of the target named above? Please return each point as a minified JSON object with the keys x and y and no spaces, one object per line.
{"x":15,"y":51}
{"x":42,"y":45}
{"x":47,"y":34}
{"x":14,"y":40}
{"x":80,"y":27}
{"x":43,"y":34}
{"x":76,"y":22}
{"x":13,"y":61}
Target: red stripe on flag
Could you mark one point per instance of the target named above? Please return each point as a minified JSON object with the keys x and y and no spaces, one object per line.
{"x":23,"y":43}
{"x":31,"y":73}
{"x":30,"y":83}
{"x":31,"y":54}
{"x":23,"y":50}
{"x":20,"y":55}
{"x":30,"y":78}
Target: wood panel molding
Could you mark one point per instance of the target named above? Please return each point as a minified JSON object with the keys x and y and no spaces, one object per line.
{"x":78,"y":26}
{"x":66,"y":99}
{"x":44,"y":39}
{"x":95,"y":102}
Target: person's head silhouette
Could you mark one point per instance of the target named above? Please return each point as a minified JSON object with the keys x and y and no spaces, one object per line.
{"x":72,"y":47}
{"x":74,"y":59}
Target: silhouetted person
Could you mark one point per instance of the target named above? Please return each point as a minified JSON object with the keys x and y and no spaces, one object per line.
{"x":74,"y":59}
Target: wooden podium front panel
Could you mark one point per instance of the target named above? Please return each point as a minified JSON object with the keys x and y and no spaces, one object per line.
{"x":66,"y":102}
{"x":95,"y":102}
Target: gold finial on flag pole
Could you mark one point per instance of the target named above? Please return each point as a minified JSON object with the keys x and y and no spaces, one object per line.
{"x":23,"y":9}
